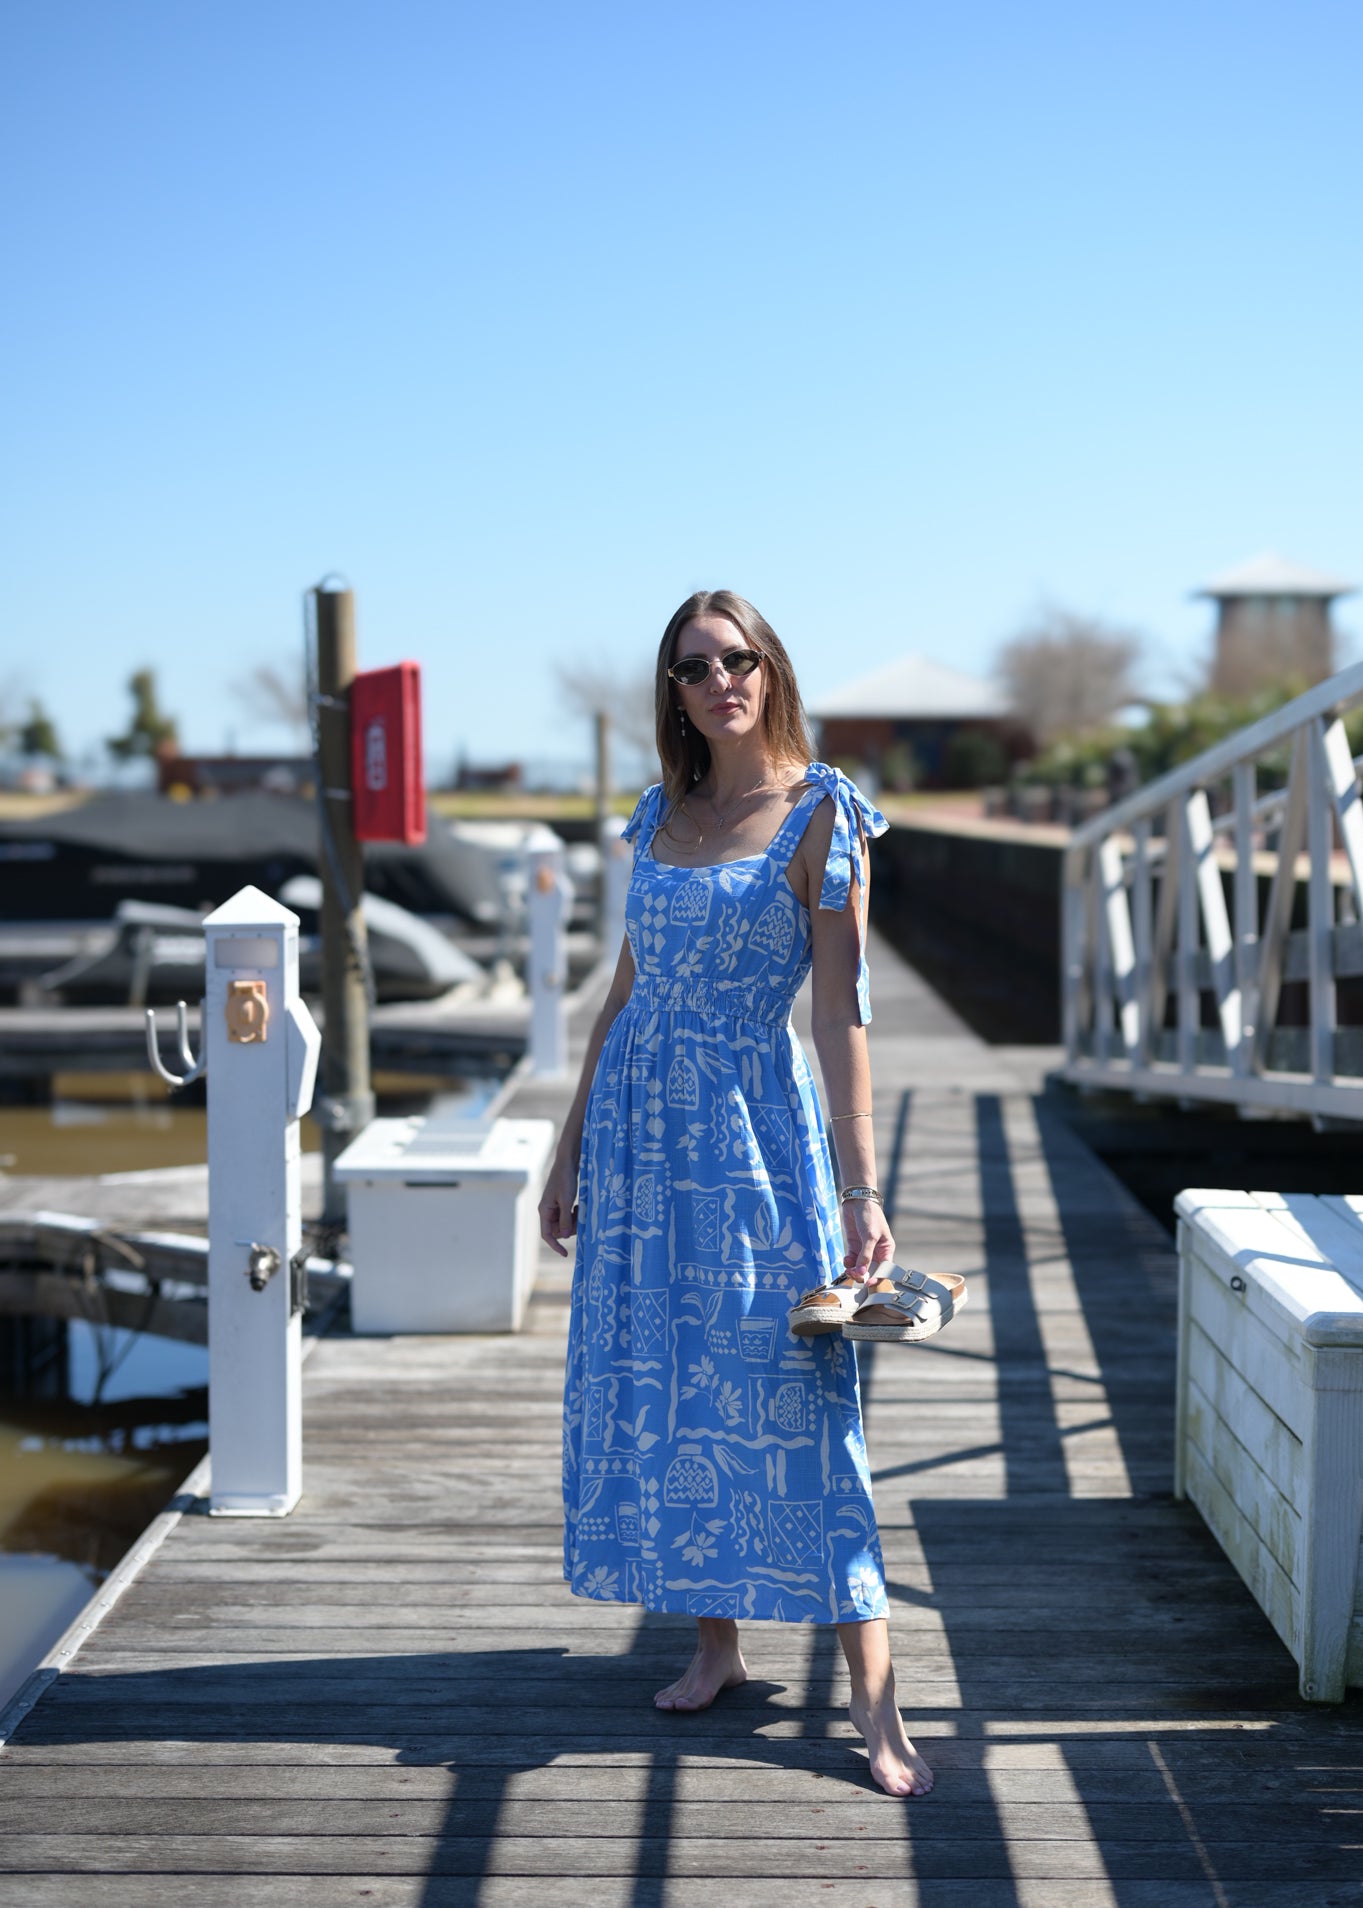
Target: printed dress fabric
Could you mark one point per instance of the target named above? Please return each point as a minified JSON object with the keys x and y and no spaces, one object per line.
{"x":713,"y":1463}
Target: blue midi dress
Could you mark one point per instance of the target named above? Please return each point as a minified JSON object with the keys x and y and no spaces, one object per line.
{"x":713,"y":1463}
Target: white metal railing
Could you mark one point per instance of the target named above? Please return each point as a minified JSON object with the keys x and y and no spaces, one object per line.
{"x":1171,"y":908}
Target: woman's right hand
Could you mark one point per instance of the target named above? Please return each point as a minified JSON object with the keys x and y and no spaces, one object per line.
{"x":558,"y":1204}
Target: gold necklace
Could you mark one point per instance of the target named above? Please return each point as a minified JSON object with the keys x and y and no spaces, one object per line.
{"x":690,"y":847}
{"x":687,"y":847}
{"x":762,"y":788}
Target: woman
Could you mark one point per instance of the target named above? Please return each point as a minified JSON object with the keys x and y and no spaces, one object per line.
{"x":713,"y":1454}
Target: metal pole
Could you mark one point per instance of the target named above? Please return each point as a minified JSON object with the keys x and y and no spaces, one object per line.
{"x":547,"y":907}
{"x":602,"y":724}
{"x":346,"y":1103}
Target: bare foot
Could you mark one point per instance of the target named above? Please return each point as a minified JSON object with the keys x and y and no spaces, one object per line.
{"x":713,"y":1667}
{"x":895,"y":1763}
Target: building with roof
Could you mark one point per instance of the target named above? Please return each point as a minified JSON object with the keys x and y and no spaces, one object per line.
{"x":918,"y":723}
{"x":208,"y":775}
{"x":1273,"y":623}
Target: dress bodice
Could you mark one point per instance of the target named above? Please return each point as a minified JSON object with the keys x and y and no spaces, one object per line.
{"x":731,"y":938}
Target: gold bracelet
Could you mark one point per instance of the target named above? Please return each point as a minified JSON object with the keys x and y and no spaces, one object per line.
{"x":851,"y":1116}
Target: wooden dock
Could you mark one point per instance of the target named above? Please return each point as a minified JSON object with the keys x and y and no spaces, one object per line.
{"x":391,"y":1699}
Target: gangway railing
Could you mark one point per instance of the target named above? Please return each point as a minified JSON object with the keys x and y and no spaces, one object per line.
{"x":1183,"y":922}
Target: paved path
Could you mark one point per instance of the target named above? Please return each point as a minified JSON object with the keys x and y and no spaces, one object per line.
{"x":391,"y":1699}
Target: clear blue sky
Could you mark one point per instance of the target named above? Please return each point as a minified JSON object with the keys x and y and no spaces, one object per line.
{"x":532,"y":318}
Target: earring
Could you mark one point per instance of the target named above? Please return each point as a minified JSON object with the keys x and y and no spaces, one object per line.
{"x":681,"y":717}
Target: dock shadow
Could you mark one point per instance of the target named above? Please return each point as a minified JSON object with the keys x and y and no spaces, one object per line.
{"x":1110,"y":1645}
{"x":485,"y":1715}
{"x":1126,"y":1275}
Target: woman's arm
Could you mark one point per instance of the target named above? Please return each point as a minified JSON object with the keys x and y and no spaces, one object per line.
{"x":840,"y":1042}
{"x":558,"y":1206}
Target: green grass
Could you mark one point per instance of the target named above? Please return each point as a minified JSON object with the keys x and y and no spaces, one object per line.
{"x":496,"y":805}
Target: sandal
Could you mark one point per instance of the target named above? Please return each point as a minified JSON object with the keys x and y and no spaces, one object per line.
{"x":827,"y":1308}
{"x":903,"y":1309}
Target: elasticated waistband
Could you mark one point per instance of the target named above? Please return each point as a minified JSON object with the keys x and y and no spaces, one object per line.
{"x":720,"y":1000}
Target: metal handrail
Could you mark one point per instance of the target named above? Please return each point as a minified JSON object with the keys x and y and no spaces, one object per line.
{"x":1265,"y":810}
{"x":1267,"y":805}
{"x":1148,"y":924}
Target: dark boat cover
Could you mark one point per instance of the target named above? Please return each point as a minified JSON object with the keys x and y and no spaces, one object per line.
{"x":78,"y":865}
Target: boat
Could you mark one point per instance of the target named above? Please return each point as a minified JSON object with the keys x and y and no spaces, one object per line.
{"x":151,"y":954}
{"x":77,"y":866}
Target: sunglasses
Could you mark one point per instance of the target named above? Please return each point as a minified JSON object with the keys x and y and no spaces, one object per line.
{"x":692,"y":670}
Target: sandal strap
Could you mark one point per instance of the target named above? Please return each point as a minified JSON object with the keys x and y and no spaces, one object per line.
{"x":833,"y":1293}
{"x":911,"y":1304}
{"x":910,"y":1297}
{"x":945,"y":1283}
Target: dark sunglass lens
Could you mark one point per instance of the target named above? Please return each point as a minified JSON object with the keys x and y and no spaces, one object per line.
{"x":690,"y":671}
{"x":741,"y":662}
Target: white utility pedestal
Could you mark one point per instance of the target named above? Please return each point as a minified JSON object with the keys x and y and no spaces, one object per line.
{"x":548,"y":902}
{"x":1269,"y":1436}
{"x":617,"y":866}
{"x":444,"y":1230}
{"x":260,"y":1048}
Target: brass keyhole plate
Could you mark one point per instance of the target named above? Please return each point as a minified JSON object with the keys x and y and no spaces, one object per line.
{"x":248,"y":1012}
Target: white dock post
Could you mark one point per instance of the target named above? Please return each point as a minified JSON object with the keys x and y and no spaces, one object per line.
{"x":617,"y":865}
{"x":260,"y":1047}
{"x":548,"y":903}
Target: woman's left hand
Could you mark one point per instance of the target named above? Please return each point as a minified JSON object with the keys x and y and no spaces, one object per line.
{"x":866,"y":1230}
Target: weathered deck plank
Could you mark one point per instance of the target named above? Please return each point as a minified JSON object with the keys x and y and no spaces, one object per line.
{"x":565,"y":1891}
{"x":391,"y":1696}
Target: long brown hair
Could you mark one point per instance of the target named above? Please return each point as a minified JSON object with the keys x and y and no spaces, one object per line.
{"x":684,"y":753}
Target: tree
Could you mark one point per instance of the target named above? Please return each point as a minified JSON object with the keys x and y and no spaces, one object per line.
{"x":149,"y":728}
{"x":276,"y":699}
{"x":1066,"y":673}
{"x":38,"y":736}
{"x":10,"y":720}
{"x":625,"y":696}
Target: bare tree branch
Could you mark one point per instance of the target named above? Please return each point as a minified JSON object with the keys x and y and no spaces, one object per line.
{"x":1066,"y":673}
{"x":626,"y":696}
{"x":275,"y":699}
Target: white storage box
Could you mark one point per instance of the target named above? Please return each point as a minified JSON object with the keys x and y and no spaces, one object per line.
{"x":1270,"y":1410}
{"x":444,"y":1233}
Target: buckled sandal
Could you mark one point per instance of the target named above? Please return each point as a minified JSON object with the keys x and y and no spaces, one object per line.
{"x":826,"y":1309}
{"x":902,"y":1309}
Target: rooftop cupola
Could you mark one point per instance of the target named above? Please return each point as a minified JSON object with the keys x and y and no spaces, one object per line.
{"x":1273,"y":621}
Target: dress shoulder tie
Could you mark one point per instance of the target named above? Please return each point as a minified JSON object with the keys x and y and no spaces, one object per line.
{"x":643,"y":823}
{"x":854,"y":819}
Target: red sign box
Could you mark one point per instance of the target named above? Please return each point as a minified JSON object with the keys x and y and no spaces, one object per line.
{"x":385,"y":755}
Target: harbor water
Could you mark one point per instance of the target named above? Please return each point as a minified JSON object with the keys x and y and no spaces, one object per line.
{"x":102,"y":1425}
